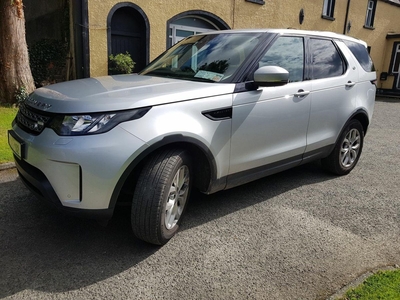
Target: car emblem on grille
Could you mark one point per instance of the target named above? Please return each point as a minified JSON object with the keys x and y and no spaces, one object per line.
{"x":37,"y":104}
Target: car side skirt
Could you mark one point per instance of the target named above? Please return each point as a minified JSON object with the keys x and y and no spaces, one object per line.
{"x":240,"y":178}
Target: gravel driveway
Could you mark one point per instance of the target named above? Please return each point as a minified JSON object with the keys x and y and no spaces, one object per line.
{"x":301,"y":234}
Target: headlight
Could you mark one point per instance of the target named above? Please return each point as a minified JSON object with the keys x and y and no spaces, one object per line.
{"x":95,"y":123}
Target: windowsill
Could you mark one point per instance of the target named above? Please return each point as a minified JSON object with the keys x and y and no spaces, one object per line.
{"x":327,"y":18}
{"x":261,"y":2}
{"x":369,"y":27}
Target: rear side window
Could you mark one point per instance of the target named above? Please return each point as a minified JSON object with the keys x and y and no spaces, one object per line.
{"x":361,"y":53}
{"x":326,"y":59}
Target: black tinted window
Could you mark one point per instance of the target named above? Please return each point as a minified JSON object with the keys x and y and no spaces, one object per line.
{"x":288,"y":53}
{"x":361,"y":53}
{"x":326,"y":60}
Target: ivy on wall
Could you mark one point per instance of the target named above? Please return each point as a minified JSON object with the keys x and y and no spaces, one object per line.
{"x":47,"y":61}
{"x":48,"y":56}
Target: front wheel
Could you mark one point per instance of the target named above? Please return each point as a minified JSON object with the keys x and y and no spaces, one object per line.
{"x":161,"y":196}
{"x":347,"y":151}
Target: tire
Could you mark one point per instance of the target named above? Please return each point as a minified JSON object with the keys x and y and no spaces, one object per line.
{"x":347,"y":151}
{"x":161,"y":196}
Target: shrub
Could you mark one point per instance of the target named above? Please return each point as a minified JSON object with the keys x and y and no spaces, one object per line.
{"x":20,"y":95}
{"x":120,"y":64}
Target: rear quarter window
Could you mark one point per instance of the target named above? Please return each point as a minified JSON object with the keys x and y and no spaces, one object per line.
{"x":361,"y":54}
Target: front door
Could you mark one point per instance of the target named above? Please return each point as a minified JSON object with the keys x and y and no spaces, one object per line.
{"x":269,"y":125}
{"x":128,"y":34}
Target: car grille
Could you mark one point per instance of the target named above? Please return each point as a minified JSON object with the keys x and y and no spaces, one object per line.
{"x":30,"y":120}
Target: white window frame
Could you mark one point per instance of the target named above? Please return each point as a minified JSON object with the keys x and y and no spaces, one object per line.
{"x":369,"y":17}
{"x":396,"y":54}
{"x":398,"y":82}
{"x":396,"y":69}
{"x":174,"y":38}
{"x":328,"y":8}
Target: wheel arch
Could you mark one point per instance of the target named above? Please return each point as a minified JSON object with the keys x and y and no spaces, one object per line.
{"x":342,"y":162}
{"x":362,"y":116}
{"x":204,"y":164}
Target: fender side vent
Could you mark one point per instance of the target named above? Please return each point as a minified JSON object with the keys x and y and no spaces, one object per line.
{"x":219,"y":114}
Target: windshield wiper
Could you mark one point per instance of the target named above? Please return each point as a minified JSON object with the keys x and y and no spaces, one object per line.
{"x":159,"y":72}
{"x":201,"y":79}
{"x":177,"y":75}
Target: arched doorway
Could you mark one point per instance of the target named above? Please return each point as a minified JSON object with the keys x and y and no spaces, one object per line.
{"x":192,"y":22}
{"x":128,"y":31}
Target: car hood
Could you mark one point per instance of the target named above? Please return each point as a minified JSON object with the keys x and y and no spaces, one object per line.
{"x":120,"y":92}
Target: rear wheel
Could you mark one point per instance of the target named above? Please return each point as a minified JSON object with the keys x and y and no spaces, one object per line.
{"x":161,"y":196}
{"x":347,"y":151}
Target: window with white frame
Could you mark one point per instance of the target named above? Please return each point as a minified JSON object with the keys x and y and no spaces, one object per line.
{"x":395,"y":68}
{"x":179,"y":32}
{"x":370,"y":16}
{"x":395,"y":64}
{"x":328,"y":9}
{"x":188,"y":25}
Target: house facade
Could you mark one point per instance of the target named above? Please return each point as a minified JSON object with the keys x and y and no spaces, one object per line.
{"x":146,"y":28}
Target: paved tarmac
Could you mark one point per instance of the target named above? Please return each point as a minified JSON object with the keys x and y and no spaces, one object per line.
{"x":300,"y":234}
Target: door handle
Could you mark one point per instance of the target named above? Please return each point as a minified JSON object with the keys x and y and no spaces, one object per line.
{"x":301,"y":93}
{"x":350,"y":83}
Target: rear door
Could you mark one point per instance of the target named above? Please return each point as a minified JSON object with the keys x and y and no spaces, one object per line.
{"x":269,"y":125}
{"x":334,"y":85}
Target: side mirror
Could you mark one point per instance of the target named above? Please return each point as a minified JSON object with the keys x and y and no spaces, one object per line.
{"x":271,"y":76}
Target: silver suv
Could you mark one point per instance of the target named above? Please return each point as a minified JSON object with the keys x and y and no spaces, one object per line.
{"x":214,"y":111}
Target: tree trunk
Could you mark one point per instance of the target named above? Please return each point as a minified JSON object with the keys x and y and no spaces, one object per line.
{"x":15,"y":72}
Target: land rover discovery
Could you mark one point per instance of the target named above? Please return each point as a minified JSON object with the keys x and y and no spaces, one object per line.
{"x":214,"y":111}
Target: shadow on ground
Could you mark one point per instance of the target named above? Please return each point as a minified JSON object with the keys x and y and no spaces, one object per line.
{"x":42,"y":249}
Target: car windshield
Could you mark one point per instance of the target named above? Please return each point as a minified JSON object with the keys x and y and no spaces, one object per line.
{"x":210,"y":58}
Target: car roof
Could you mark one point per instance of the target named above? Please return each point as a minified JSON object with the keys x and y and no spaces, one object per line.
{"x":327,"y":34}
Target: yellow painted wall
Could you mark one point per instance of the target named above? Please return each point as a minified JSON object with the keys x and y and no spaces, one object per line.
{"x":158,"y":12}
{"x":285,"y":14}
{"x":386,"y":21}
{"x":241,"y":14}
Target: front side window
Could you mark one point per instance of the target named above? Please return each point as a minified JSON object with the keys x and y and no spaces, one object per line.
{"x":210,"y":58}
{"x":328,"y":8}
{"x":286,"y":52}
{"x":370,"y":16}
{"x":326,"y":59}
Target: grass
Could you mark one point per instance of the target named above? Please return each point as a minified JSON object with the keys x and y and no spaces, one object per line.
{"x":7,"y":114}
{"x":382,"y":285}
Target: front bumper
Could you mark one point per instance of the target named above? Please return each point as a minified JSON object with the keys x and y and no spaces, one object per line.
{"x":77,"y":174}
{"x":37,"y":182}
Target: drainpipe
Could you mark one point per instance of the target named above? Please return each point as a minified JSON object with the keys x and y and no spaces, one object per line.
{"x":347,"y":16}
{"x":233,"y":14}
{"x":85,"y":38}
